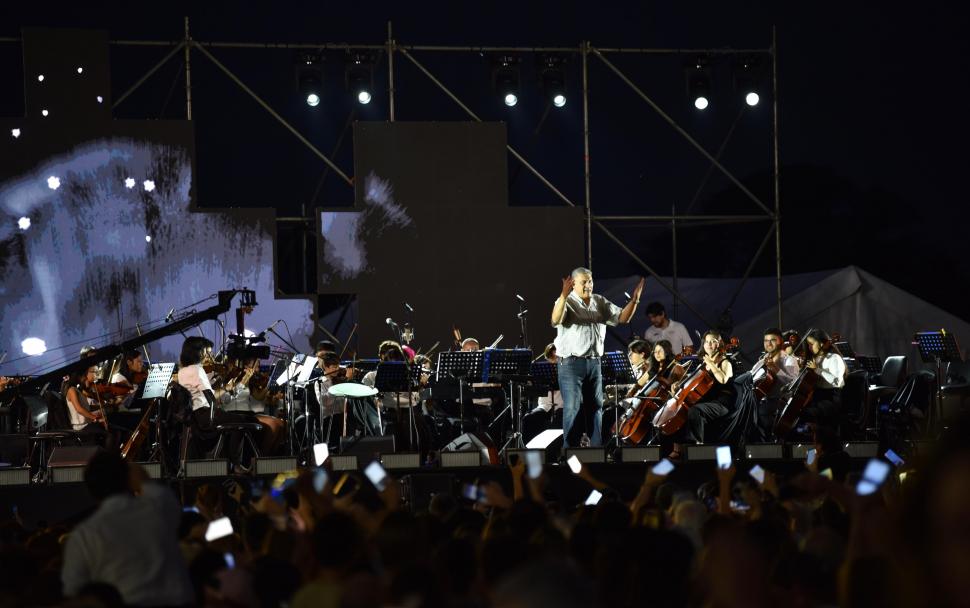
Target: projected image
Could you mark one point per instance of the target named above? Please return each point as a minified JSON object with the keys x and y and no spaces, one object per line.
{"x":347,"y":233}
{"x":102,"y":237}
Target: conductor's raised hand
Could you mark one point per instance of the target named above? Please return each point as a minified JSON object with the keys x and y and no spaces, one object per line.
{"x":639,"y":288}
{"x":567,"y":285}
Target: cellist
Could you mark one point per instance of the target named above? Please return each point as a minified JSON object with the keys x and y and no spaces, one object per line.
{"x":719,"y":401}
{"x":825,"y":359}
{"x":783,"y":367}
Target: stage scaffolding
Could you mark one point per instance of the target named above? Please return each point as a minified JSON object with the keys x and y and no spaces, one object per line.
{"x":770,"y":211}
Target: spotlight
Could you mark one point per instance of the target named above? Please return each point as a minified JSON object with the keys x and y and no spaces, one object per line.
{"x":359,"y":76}
{"x":552,"y":78}
{"x":80,"y":69}
{"x":23,"y":223}
{"x":747,"y":79}
{"x":15,"y":133}
{"x":53,"y":182}
{"x":40,"y":78}
{"x":44,"y":113}
{"x":148,"y":238}
{"x":309,"y":78}
{"x":505,"y":78}
{"x":149,"y":185}
{"x":33,"y":347}
{"x":699,"y":83}
{"x":129,"y":183}
{"x":100,"y":99}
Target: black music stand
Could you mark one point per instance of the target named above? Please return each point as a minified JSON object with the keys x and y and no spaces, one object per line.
{"x":509,"y":366}
{"x":395,"y":377}
{"x":462,"y":366}
{"x":545,"y":374}
{"x":155,"y":387}
{"x":938,"y":347}
{"x":616,"y":369}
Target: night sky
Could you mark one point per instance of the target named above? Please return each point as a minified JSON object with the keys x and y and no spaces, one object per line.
{"x":872,"y":121}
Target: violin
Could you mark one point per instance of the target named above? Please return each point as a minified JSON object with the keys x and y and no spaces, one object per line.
{"x":139,"y":378}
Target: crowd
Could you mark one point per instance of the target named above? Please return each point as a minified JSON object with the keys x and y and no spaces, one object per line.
{"x":318,"y":539}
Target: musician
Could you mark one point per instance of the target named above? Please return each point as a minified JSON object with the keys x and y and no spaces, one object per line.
{"x":470,"y":345}
{"x":825,"y":359}
{"x":580,"y":318}
{"x":638,"y":352}
{"x":256,"y":407}
{"x":783,"y":367}
{"x":552,"y":401}
{"x":720,"y":400}
{"x":663,"y":327}
{"x":131,"y":365}
{"x":324,"y":346}
{"x":788,"y":340}
{"x":329,"y":405}
{"x":85,"y":416}
{"x":661,"y":361}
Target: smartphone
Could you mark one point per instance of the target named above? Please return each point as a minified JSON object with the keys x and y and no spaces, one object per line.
{"x":533,"y":464}
{"x":321,"y":452}
{"x":875,"y":473}
{"x":758,"y":473}
{"x":574,"y":464}
{"x":810,"y":457}
{"x":594,"y":497}
{"x":218,"y":528}
{"x":724,"y":457}
{"x":662,"y":468}
{"x":319,"y":479}
{"x":894,"y":458}
{"x":377,"y":475}
{"x":190,"y":509}
{"x":256,"y":489}
{"x":230,"y":560}
{"x":473,"y":492}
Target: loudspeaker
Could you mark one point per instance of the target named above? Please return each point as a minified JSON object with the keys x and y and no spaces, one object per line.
{"x":367,"y":448}
{"x":13,"y":449}
{"x":72,"y":456}
{"x":470,"y":442}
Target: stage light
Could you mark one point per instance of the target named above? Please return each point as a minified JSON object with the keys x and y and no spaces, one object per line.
{"x":129,"y":183}
{"x":80,"y":69}
{"x":40,"y":78}
{"x":149,"y":185}
{"x":309,"y":78}
{"x":747,"y":79}
{"x":359,"y":76}
{"x":699,"y":83}
{"x":100,"y":99}
{"x":552,"y":78}
{"x":505,"y":78}
{"x":148,"y":238}
{"x":15,"y":133}
{"x":752,"y":99}
{"x":44,"y":113}
{"x":53,"y":182}
{"x":23,"y":223}
{"x":33,"y":347}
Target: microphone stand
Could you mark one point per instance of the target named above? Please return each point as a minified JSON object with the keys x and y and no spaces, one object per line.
{"x":285,"y":341}
{"x":523,"y":325}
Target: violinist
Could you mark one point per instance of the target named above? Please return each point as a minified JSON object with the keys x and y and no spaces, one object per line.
{"x":256,"y":406}
{"x":788,"y":340}
{"x":85,"y":416}
{"x":824,"y":358}
{"x":639,"y":352}
{"x":132,"y":371}
{"x":783,"y":367}
{"x":720,"y":401}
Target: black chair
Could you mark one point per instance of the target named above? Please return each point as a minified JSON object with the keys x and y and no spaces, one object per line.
{"x":955,"y":392}
{"x":246,"y":429}
{"x":859,"y":417}
{"x":56,"y":432}
{"x":892,"y":376}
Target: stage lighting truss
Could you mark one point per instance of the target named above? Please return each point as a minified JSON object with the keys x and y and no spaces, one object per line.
{"x":505,"y":78}
{"x":748,"y":78}
{"x":552,"y":78}
{"x":359,"y":76}
{"x":699,"y":82}
{"x":309,"y":78}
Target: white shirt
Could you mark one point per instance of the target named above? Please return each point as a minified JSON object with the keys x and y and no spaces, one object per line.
{"x":553,"y":400}
{"x":787,"y":371}
{"x":241,"y":400}
{"x":329,"y":405}
{"x":583,"y":328}
{"x":78,"y":421}
{"x":195,"y":380}
{"x":831,"y":371}
{"x":675,"y":332}
{"x":131,"y":543}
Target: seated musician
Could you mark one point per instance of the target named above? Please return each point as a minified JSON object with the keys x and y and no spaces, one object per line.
{"x":470,"y":345}
{"x":661,"y":361}
{"x":329,"y":405}
{"x":720,"y":400}
{"x":825,"y":359}
{"x":783,"y":367}
{"x":256,"y":406}
{"x":192,"y":376}
{"x":553,"y":400}
{"x":638,"y":352}
{"x":85,"y":416}
{"x":132,"y":367}
{"x":788,"y":339}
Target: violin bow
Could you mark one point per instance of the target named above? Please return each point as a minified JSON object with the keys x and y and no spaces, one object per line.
{"x":347,"y":343}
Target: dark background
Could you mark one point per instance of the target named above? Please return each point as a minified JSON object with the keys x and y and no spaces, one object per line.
{"x":872,"y":124}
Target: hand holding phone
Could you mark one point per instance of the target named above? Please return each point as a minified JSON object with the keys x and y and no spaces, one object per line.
{"x":473,"y":492}
{"x":574,"y":464}
{"x":872,"y":477}
{"x":533,"y":463}
{"x":319,"y":479}
{"x":758,"y":473}
{"x":594,"y":497}
{"x":321,"y":452}
{"x":662,"y":468}
{"x":377,"y":475}
{"x":810,"y":457}
{"x":724,"y":457}
{"x":894,"y":458}
{"x":218,"y":528}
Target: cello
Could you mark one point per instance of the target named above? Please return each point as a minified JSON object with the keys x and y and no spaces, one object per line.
{"x":799,"y":392}
{"x":635,"y":423}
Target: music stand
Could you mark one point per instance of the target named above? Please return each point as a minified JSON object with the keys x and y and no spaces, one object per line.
{"x":395,"y":377}
{"x":156,"y":386}
{"x":938,"y":347}
{"x":545,"y":374}
{"x":845,"y":349}
{"x":512,"y":366}
{"x":872,"y":365}
{"x":616,"y":369}
{"x":460,"y":365}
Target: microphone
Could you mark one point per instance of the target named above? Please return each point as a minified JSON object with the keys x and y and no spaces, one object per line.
{"x":262,"y":334}
{"x":408,"y":307}
{"x":628,"y":296}
{"x":520,"y":298}
{"x":391,"y":322}
{"x":171,"y":313}
{"x":523,"y":313}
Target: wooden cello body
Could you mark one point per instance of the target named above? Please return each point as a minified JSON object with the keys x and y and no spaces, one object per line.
{"x":637,"y":421}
